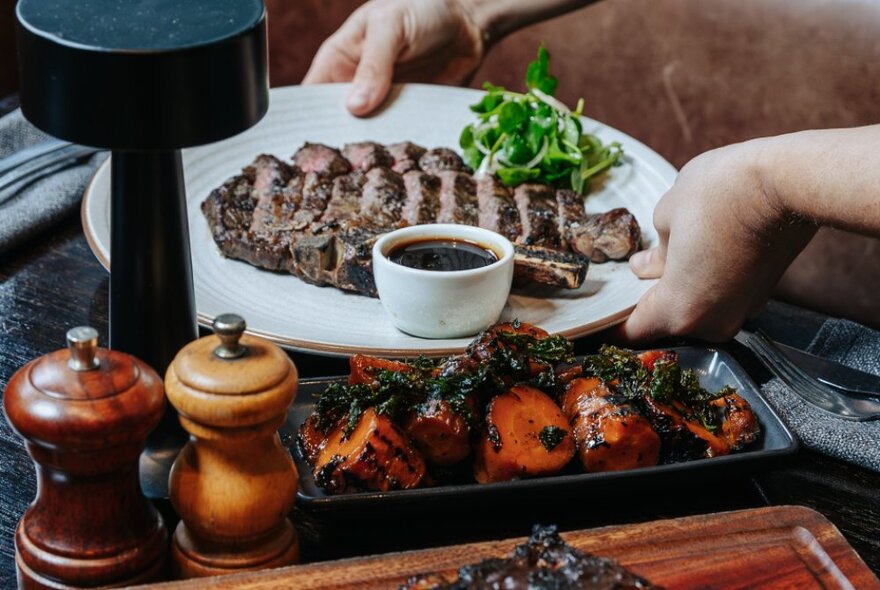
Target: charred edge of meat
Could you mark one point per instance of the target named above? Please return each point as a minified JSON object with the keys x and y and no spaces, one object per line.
{"x":440,"y":159}
{"x":320,"y":159}
{"x":615,"y":235}
{"x":533,"y":264}
{"x":366,"y":155}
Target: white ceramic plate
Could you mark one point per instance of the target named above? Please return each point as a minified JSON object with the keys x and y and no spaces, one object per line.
{"x":324,"y":320}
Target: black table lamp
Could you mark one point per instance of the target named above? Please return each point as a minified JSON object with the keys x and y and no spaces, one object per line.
{"x":145,"y":78}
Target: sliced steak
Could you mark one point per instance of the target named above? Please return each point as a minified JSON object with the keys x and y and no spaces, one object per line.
{"x":498,"y":211}
{"x":422,"y":197}
{"x":353,"y":263}
{"x":440,"y":159}
{"x":345,"y":198}
{"x":406,"y":156}
{"x":383,"y":199}
{"x":534,"y":264}
{"x":537,"y":212}
{"x":312,"y":257}
{"x":366,"y":155}
{"x":321,"y":159}
{"x":573,"y":223}
{"x":458,"y":199}
{"x":316,"y":192}
{"x":616,"y":235}
{"x":274,"y":183}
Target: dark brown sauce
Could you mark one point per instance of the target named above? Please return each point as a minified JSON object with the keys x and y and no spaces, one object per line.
{"x":442,"y":254}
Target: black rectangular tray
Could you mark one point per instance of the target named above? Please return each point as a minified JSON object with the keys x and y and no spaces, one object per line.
{"x":715,"y":368}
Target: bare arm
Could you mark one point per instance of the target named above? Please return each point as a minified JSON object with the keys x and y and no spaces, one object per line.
{"x":738,"y":216}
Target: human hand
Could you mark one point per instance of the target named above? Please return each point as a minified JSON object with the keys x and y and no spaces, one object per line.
{"x":416,"y":41}
{"x":725,"y":241}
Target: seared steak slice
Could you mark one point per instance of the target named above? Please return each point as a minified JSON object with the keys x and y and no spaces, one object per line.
{"x":321,"y":159}
{"x":274,"y":186}
{"x":498,"y":211}
{"x":384,"y":198}
{"x":406,"y":156}
{"x":537,"y":212}
{"x":345,"y":198}
{"x":458,"y":199}
{"x":353,"y":261}
{"x":422,"y":197}
{"x":534,"y":264}
{"x":572,"y":223}
{"x":366,"y":155}
{"x":316,"y":192}
{"x":616,"y":235}
{"x":312,"y":257}
{"x":440,"y":159}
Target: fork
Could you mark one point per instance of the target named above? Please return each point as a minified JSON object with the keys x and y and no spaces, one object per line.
{"x":37,"y":160}
{"x":811,"y":390}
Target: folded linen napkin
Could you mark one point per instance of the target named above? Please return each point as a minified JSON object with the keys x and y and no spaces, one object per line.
{"x":853,"y":345}
{"x":36,"y":204}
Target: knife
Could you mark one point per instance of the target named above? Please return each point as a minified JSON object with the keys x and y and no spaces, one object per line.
{"x":845,"y":379}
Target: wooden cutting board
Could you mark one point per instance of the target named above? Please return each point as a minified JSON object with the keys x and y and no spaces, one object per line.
{"x":785,"y":547}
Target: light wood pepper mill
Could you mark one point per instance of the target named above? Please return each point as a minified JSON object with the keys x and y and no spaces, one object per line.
{"x":85,"y":415}
{"x":233,"y":483}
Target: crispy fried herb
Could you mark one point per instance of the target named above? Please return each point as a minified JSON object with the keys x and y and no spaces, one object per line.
{"x":551,"y":436}
{"x":668,"y":383}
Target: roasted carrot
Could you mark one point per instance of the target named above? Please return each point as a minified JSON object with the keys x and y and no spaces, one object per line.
{"x":376,"y":455}
{"x":650,"y":357}
{"x":526,"y":436}
{"x":740,"y":425}
{"x":364,"y":368}
{"x":610,"y":433}
{"x":310,"y":438}
{"x":439,"y":433}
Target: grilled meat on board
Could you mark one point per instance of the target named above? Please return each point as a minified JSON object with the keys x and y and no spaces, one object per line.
{"x":318,"y":215}
{"x":544,"y":562}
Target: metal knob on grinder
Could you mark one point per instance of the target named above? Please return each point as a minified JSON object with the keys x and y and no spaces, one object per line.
{"x":145,"y":81}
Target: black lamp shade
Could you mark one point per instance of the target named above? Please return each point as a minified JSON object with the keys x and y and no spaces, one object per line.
{"x":143,"y":74}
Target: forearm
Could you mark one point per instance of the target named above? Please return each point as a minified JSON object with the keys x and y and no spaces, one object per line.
{"x":499,"y":18}
{"x":830,"y":177}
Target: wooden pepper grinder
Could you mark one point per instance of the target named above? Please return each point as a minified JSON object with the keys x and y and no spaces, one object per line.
{"x":233,"y":483}
{"x":85,"y":415}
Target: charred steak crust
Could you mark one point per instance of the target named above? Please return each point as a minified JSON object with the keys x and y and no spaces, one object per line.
{"x":318,"y":216}
{"x":544,"y":562}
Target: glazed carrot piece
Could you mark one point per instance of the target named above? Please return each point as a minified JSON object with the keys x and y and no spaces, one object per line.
{"x":376,"y":455}
{"x":610,"y":434}
{"x":526,"y":435}
{"x":364,"y":368}
{"x":439,"y":433}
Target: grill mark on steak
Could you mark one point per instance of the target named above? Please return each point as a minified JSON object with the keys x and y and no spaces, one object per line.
{"x":406,"y":156}
{"x":366,"y":155}
{"x":383,"y":199}
{"x":316,"y":192}
{"x":345,"y":198}
{"x":458,"y":199}
{"x":537,"y":212}
{"x":497,"y":209}
{"x":273,"y":206}
{"x":321,"y":159}
{"x":422,"y":197}
{"x":616,"y":235}
{"x":440,"y":159}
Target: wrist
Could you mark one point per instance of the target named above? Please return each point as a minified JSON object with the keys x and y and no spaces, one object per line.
{"x":487,"y":16}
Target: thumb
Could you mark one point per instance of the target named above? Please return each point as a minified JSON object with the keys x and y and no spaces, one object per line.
{"x":648,"y":264}
{"x":372,"y":79}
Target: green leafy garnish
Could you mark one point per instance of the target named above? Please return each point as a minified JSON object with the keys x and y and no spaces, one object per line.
{"x":533,"y":137}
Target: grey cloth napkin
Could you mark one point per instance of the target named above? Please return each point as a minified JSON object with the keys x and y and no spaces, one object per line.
{"x":34,"y":205}
{"x":855,"y":442}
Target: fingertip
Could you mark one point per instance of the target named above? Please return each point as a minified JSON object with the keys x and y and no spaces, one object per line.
{"x":644,"y":324}
{"x":358,"y":102}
